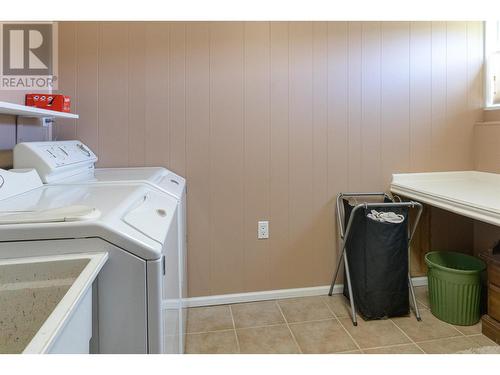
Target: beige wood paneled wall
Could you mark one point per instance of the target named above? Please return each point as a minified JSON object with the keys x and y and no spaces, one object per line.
{"x":487,"y":147}
{"x":8,"y":126}
{"x":486,"y":159}
{"x":270,"y":120}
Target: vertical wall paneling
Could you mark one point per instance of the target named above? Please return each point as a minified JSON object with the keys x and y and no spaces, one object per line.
{"x":486,"y":150}
{"x":370,"y":106}
{"x":474,"y":69}
{"x":113,"y":93}
{"x":65,"y":128}
{"x":157,"y":80}
{"x":87,"y":78}
{"x":137,"y":93}
{"x":198,"y":155}
{"x":279,"y":196}
{"x":227,"y":155}
{"x":355,"y":106}
{"x":322,"y":254}
{"x":395,"y":99}
{"x":338,"y":162}
{"x":301,"y":144}
{"x":271,"y":120}
{"x":459,"y":150}
{"x":420,"y":99}
{"x":420,"y":129}
{"x":7,"y":134}
{"x":177,"y":94}
{"x":438,"y":93}
{"x":256,"y":171}
{"x":475,"y":82}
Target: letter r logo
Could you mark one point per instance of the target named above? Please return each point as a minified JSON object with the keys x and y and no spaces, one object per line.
{"x":27,"y":49}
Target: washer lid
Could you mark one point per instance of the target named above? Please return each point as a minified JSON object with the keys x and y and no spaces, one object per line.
{"x":17,"y":182}
{"x":52,"y":215}
{"x":128,"y":174}
{"x":152,"y":215}
{"x":114,"y":201}
{"x":156,"y":176}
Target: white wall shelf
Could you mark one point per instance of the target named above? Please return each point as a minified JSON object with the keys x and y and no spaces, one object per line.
{"x":468,"y":193}
{"x":26,"y":111}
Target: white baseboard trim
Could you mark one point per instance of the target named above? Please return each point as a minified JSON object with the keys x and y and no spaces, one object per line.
{"x":224,"y":299}
{"x":419,"y":281}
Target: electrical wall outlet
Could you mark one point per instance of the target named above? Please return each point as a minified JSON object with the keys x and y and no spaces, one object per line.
{"x":263,"y":230}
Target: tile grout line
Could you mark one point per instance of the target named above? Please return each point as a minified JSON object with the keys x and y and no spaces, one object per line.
{"x":389,"y":346}
{"x":234,"y":329}
{"x":291,"y":323}
{"x":428,"y":308}
{"x":344,"y":328}
{"x":432,"y":340}
{"x":423,"y":304}
{"x":262,"y":326}
{"x":407,"y":336}
{"x":456,"y":329}
{"x":349,"y":334}
{"x":336,"y":317}
{"x":312,"y":321}
{"x":399,"y":328}
{"x":476,"y":334}
{"x":442,"y":338}
{"x":427,"y":304}
{"x":215,"y":331}
{"x":288,"y":326}
{"x":472,"y":334}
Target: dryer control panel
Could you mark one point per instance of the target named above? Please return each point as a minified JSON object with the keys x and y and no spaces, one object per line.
{"x":54,"y":160}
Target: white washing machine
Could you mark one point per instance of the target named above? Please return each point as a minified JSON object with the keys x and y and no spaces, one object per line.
{"x":137,"y":294}
{"x":72,"y":162}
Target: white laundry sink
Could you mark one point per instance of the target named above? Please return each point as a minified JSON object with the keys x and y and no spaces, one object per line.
{"x":46,"y":303}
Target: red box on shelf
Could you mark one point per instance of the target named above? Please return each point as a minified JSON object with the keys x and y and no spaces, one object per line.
{"x":53,"y":102}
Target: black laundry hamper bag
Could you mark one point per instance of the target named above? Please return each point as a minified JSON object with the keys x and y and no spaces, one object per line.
{"x":378,"y":263}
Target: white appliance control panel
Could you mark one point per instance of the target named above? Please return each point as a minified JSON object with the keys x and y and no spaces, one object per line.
{"x":54,"y":160}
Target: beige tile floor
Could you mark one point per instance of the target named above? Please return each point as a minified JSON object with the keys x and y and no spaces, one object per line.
{"x":321,"y":325}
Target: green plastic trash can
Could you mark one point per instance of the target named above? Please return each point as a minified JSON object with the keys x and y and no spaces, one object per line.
{"x":454,"y":283}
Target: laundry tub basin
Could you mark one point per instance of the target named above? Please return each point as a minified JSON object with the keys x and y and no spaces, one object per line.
{"x":46,"y":303}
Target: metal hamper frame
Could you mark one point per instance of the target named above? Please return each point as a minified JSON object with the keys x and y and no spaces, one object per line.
{"x":344,"y":235}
